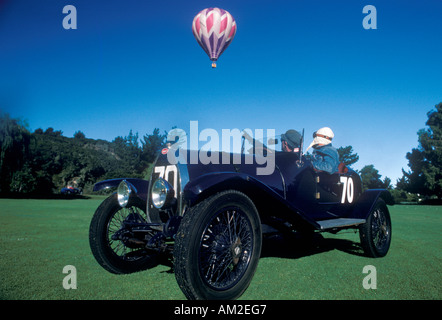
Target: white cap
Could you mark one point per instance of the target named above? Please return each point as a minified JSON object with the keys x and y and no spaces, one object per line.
{"x":322,"y":136}
{"x":326,"y":131}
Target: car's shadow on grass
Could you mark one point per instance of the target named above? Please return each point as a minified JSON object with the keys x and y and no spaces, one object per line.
{"x":278,"y":245}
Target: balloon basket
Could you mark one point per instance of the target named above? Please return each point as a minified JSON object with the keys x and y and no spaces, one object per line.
{"x":213,"y":65}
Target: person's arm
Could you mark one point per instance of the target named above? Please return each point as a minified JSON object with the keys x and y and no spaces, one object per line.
{"x":323,"y":165}
{"x":325,"y":162}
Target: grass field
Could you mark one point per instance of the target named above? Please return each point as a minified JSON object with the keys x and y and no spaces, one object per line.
{"x":39,"y":237}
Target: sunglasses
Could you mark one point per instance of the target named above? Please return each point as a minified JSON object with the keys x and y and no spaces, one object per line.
{"x":321,"y":136}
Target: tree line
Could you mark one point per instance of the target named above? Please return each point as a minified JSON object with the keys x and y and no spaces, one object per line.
{"x":423,"y":179}
{"x":44,"y":161}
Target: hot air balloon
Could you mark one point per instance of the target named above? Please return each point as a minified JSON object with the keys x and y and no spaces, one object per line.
{"x":214,"y":30}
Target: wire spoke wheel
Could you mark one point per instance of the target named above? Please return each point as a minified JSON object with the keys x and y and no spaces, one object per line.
{"x":225,"y":248}
{"x":217,"y":247}
{"x":109,"y":238}
{"x":381,"y":231}
{"x":375,"y":234}
{"x":116,"y":225}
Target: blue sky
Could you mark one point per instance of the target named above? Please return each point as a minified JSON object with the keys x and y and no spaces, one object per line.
{"x":292,"y":64}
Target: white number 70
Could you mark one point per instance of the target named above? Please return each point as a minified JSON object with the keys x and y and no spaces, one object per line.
{"x":164,"y":171}
{"x":348,"y":189}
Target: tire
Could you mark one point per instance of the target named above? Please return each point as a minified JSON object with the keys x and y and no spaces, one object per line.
{"x":112,"y":255}
{"x":217,"y":247}
{"x":375,"y":234}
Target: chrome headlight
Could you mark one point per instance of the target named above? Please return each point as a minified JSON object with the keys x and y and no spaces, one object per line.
{"x":123,"y":193}
{"x":162,"y":193}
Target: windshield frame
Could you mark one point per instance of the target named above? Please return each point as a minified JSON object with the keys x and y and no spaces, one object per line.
{"x":255,"y":146}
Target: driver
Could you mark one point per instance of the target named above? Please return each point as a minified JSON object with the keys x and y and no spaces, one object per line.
{"x":291,"y":141}
{"x":325,"y":157}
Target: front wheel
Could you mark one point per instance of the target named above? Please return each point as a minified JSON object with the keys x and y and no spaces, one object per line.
{"x":112,"y":254}
{"x":217,"y":247}
{"x":375,"y":233}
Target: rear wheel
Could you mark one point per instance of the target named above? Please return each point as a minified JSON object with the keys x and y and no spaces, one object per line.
{"x":217,"y":247}
{"x":375,"y":234}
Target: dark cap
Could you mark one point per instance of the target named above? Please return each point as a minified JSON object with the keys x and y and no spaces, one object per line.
{"x":293,"y":138}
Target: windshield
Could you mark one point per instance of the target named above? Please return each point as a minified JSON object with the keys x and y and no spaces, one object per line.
{"x":256,"y":146}
{"x":261,"y":145}
{"x":235,"y":141}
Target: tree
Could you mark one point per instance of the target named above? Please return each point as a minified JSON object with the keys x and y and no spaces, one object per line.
{"x":79,"y":135}
{"x":425,"y":161}
{"x":347,"y":156}
{"x":14,"y":149}
{"x":23,"y":181}
{"x":414,"y":180}
{"x":151,"y":144}
{"x":129,"y":154}
{"x":371,"y":179}
{"x":50,"y":132}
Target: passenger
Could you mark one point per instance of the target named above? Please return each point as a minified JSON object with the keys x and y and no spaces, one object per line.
{"x":291,"y":141}
{"x":325,"y":157}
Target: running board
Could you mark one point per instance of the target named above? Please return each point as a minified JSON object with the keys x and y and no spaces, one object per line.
{"x":339,"y":223}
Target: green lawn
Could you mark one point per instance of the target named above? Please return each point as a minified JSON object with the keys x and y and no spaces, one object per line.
{"x":39,"y":237}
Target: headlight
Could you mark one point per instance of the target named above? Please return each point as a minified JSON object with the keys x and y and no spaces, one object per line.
{"x":123,"y":193}
{"x":162,"y":193}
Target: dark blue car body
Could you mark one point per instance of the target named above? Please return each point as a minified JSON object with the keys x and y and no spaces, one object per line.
{"x":295,"y":191}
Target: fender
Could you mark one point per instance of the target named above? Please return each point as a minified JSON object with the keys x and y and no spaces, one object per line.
{"x":207,"y":185}
{"x":140,"y":185}
{"x":367,"y":200}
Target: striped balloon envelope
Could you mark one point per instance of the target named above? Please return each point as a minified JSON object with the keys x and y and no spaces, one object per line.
{"x":214,"y":29}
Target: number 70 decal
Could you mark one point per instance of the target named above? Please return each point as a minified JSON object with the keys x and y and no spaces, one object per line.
{"x":348,"y":189}
{"x":164,"y":172}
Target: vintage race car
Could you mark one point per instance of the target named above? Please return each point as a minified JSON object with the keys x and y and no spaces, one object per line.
{"x":210,"y":217}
